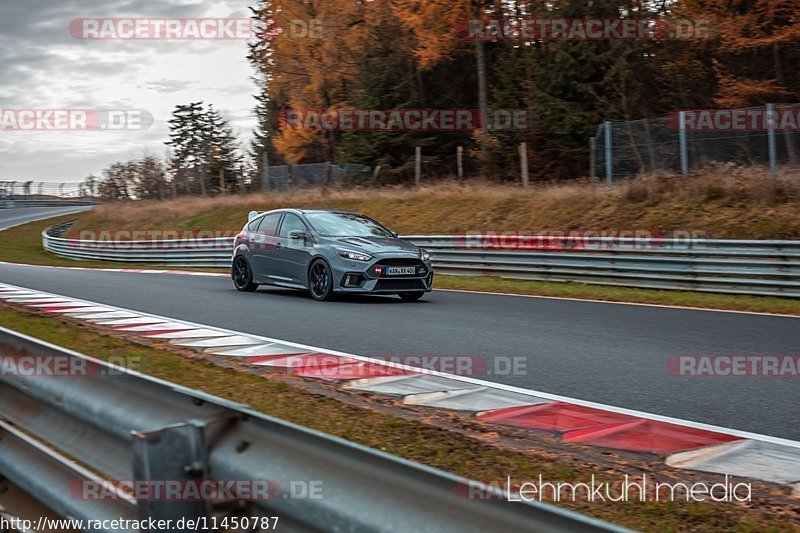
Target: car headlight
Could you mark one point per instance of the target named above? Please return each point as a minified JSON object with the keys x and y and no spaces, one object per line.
{"x":424,"y":255}
{"x":357,"y":256}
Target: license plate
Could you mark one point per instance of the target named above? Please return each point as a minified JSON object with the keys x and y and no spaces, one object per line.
{"x":401,"y":271}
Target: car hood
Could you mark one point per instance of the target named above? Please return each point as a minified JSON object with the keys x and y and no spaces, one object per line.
{"x":374,"y":245}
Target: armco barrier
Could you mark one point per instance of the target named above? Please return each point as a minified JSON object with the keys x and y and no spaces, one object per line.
{"x":59,"y":434}
{"x":768,"y":268}
{"x":11,"y":204}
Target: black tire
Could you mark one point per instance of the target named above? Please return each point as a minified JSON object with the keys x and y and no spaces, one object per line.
{"x":410,"y":296}
{"x":320,"y":281}
{"x":242,"y":275}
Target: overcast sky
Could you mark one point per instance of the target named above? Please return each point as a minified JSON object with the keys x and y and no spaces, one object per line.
{"x":42,"y":66}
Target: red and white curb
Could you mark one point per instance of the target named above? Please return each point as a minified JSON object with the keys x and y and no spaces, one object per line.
{"x":686,"y":444}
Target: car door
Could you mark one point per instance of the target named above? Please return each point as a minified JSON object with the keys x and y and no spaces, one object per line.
{"x":292,"y":255}
{"x":264,"y":244}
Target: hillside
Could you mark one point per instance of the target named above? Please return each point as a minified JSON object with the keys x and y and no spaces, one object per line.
{"x":733,"y":204}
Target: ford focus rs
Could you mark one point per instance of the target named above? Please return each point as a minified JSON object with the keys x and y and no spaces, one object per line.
{"x":327,"y":252}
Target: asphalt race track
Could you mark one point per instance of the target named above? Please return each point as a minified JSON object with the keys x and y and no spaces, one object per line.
{"x":607,"y":353}
{"x":12,"y":217}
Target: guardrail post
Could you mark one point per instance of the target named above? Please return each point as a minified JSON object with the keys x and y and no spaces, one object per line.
{"x":684,"y":147}
{"x":609,"y":155}
{"x":176,"y":453}
{"x":773,"y":149}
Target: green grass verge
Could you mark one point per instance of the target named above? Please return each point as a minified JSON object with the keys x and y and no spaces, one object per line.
{"x":23,"y":244}
{"x":404,"y":437}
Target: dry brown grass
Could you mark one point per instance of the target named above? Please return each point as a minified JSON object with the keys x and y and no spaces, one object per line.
{"x":725,"y":203}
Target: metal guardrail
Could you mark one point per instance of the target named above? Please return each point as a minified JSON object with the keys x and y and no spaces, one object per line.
{"x":768,"y":268}
{"x":9,"y":204}
{"x":114,"y":424}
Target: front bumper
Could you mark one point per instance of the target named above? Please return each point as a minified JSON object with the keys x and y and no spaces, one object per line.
{"x":362,"y":277}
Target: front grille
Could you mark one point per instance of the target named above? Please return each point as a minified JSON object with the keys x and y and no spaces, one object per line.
{"x":386,"y":263}
{"x":400,"y":262}
{"x":399,"y":285}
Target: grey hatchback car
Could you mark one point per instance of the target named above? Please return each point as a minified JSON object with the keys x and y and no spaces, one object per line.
{"x":327,"y":252}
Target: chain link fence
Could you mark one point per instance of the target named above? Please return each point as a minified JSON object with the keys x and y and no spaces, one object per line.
{"x":280,"y":178}
{"x":315,"y":175}
{"x":277,"y":178}
{"x":686,"y":141}
{"x":41,"y":190}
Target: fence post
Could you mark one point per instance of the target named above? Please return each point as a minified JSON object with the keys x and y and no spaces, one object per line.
{"x":376,"y":174}
{"x":523,"y":163}
{"x":773,"y":149}
{"x":326,"y":181}
{"x":265,"y":178}
{"x":684,"y":146}
{"x":609,"y":154}
{"x":418,"y":167}
{"x":592,"y":157}
{"x":460,"y":164}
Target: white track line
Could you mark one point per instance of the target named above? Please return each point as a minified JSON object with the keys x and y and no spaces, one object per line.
{"x":574,"y":299}
{"x":479,"y":382}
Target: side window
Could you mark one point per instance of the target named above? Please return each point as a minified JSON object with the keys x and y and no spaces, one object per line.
{"x":269,"y":225}
{"x":291,"y":222}
{"x":254,"y":224}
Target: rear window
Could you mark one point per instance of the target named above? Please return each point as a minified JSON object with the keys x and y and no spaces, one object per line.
{"x":269,"y":224}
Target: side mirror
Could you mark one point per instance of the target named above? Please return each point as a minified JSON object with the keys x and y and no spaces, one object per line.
{"x":297,"y":234}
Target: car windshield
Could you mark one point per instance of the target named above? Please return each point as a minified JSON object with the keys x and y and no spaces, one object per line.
{"x":345,"y":225}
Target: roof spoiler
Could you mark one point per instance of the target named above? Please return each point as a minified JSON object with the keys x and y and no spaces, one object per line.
{"x":252,"y":214}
